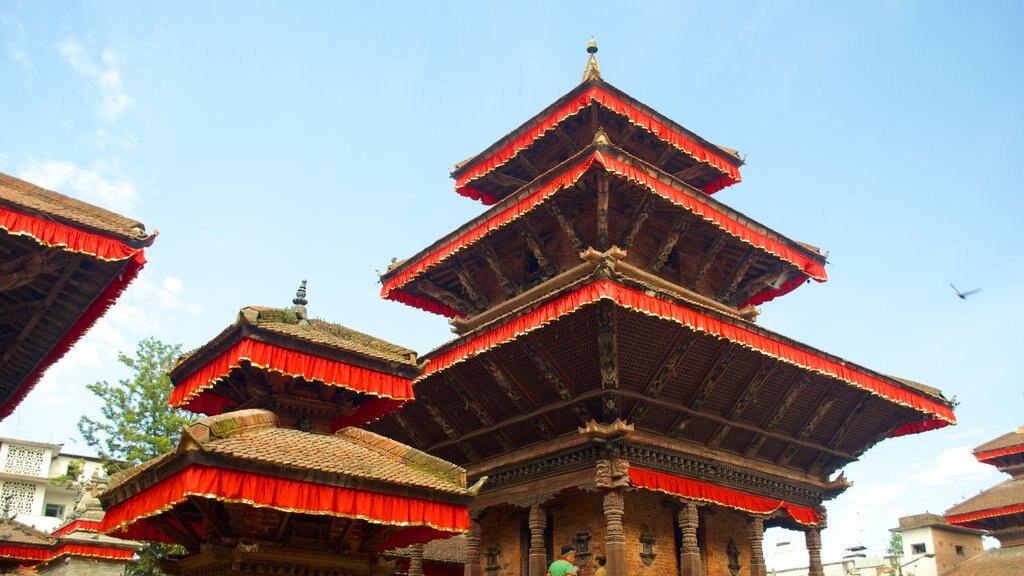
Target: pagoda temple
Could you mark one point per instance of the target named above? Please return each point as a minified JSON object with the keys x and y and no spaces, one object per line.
{"x":64,"y":263}
{"x":998,"y":510}
{"x":276,"y":478}
{"x":608,"y":377}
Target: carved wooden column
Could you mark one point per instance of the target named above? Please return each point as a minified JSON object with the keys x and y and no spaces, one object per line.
{"x":416,"y":560}
{"x":473,"y":567}
{"x":690,"y":563}
{"x":538,"y":556}
{"x":615,"y":538}
{"x":755,"y":530}
{"x":813,"y":538}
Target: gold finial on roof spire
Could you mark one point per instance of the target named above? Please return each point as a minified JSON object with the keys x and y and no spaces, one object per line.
{"x":592,"y":71}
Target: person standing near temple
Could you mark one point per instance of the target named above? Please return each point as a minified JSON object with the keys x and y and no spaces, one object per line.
{"x":600,"y":565}
{"x":564,"y":565}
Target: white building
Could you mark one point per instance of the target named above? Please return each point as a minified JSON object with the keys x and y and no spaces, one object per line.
{"x":26,"y":492}
{"x":932,"y":547}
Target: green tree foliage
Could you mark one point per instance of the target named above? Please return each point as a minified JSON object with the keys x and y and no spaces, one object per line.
{"x":137,"y":422}
{"x":895,"y":551}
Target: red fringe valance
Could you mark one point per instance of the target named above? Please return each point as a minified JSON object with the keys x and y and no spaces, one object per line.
{"x":283,"y":494}
{"x":392,"y":289}
{"x":704,"y":492}
{"x":990,"y":454}
{"x":731,"y":173}
{"x":50,"y":233}
{"x":970,"y":519}
{"x":92,"y":552}
{"x":24,"y":553}
{"x":938,"y":414}
{"x":80,"y":524}
{"x":290,"y":362}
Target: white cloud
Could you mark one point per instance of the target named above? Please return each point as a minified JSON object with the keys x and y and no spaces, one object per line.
{"x":19,"y":56}
{"x":106,"y":77}
{"x":83,"y":183}
{"x":953,"y":466}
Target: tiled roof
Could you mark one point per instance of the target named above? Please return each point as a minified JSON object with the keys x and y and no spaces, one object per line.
{"x":25,"y":196}
{"x":1008,"y":493}
{"x":444,"y":551}
{"x":992,"y":562}
{"x":253,"y":436}
{"x":14,"y":532}
{"x":1015,"y":438}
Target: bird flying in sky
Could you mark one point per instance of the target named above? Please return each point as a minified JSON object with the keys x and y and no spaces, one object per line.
{"x":964,"y":295}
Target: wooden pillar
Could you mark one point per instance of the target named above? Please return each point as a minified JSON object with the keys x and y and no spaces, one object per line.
{"x":690,"y":563}
{"x":755,"y":530}
{"x":473,"y":567}
{"x":615,"y":538}
{"x":813,"y":538}
{"x":538,"y":555}
{"x":416,"y":560}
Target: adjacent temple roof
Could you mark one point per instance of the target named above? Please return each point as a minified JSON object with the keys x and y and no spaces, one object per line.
{"x":244,"y":456}
{"x":65,"y":263}
{"x":268,"y":347}
{"x":999,"y":509}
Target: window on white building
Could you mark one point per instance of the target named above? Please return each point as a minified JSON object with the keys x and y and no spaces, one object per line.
{"x":22,"y":460}
{"x":918,"y":549}
{"x":961,"y":551}
{"x":17,"y":497}
{"x":54,"y":511}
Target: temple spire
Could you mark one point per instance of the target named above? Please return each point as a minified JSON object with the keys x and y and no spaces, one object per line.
{"x":592,"y":71}
{"x":300,"y":304}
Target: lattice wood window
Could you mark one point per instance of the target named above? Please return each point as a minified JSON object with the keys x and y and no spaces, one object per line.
{"x":17,"y":497}
{"x":27,"y":461}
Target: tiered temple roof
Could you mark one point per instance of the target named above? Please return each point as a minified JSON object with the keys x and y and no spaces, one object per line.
{"x":276,"y":472}
{"x":999,"y":509}
{"x":65,"y":263}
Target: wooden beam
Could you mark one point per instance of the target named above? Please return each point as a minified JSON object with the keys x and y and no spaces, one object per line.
{"x":603,"y":195}
{"x":176,"y":534}
{"x":506,"y":383}
{"x":343,"y":536}
{"x":756,"y":285}
{"x":677,"y":349}
{"x":184,"y":525}
{"x":475,"y":405}
{"x":566,"y":141}
{"x":447,"y":297}
{"x":643,"y":211}
{"x":506,"y":180}
{"x":282,"y":526}
{"x":709,"y":258}
{"x":469,"y":285}
{"x":568,"y":226}
{"x":607,"y":346}
{"x":409,"y":430}
{"x":536,"y":247}
{"x":14,"y":313}
{"x":737,"y":274}
{"x":668,"y":243}
{"x":837,"y":437}
{"x":510,"y":287}
{"x":763,"y":374}
{"x":595,"y":121}
{"x":527,"y":165}
{"x":665,"y":155}
{"x":824,"y":404}
{"x":374,"y":536}
{"x":802,"y":379}
{"x":213,"y":517}
{"x":713,"y":376}
{"x":690,"y":172}
{"x":26,"y":330}
{"x":545,"y":367}
{"x":627,"y":134}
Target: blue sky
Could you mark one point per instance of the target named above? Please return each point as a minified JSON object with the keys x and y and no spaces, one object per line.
{"x":271,"y":142}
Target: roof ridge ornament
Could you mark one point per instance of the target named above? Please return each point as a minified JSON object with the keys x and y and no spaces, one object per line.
{"x":300,"y":305}
{"x":592,"y":71}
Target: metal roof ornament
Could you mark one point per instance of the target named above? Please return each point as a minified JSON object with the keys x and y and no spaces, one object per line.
{"x":300,"y":305}
{"x":592,"y":71}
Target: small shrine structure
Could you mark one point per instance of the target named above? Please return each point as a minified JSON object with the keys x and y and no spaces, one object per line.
{"x":998,"y":510}
{"x":608,"y":378}
{"x":276,"y":478}
{"x":65,"y":263}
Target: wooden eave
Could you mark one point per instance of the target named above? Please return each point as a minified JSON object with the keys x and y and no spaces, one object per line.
{"x":718,"y":263}
{"x":149,"y":477}
{"x":36,"y":315}
{"x":243,"y":329}
{"x":547,"y":383}
{"x":727,"y":154}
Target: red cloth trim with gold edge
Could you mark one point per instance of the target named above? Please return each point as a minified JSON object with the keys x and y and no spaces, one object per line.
{"x":638,"y":301}
{"x":989,"y":455}
{"x":80,"y":524}
{"x":283,"y":494}
{"x":704,"y":492}
{"x":645,"y":121}
{"x":92,"y":552}
{"x":809,"y":267}
{"x":24,"y":553}
{"x":50,"y":233}
{"x":963,"y":519}
{"x":278,"y":359}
